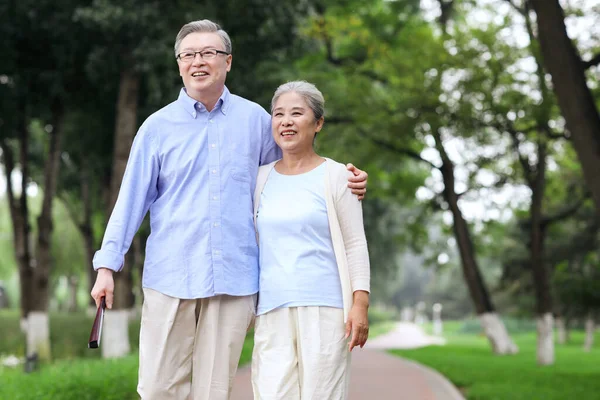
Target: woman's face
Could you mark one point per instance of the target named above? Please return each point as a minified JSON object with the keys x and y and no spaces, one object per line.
{"x":294,"y":124}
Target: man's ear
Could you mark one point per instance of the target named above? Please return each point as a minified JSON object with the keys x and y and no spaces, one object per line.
{"x":229,"y":61}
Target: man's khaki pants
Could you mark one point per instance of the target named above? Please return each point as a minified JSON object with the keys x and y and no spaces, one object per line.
{"x":190,"y":349}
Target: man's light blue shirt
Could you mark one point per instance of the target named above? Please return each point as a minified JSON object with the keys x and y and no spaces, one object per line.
{"x":195,"y":171}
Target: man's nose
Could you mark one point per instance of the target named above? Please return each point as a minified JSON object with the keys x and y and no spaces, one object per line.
{"x":198,"y":60}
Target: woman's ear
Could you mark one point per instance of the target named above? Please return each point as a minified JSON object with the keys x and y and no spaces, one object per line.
{"x":320,"y":123}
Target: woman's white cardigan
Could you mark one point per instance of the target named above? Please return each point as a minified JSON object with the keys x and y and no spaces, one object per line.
{"x":344,"y":212}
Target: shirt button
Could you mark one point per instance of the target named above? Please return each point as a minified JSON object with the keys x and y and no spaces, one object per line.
{"x":217,"y":251}
{"x":213,"y":145}
{"x":211,"y":121}
{"x":214,"y":171}
{"x":216,"y":224}
{"x":215,"y":198}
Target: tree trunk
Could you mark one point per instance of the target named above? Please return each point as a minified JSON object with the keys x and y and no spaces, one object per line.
{"x":87,"y":231}
{"x":72,"y":294}
{"x":495,"y":330}
{"x":545,"y":339}
{"x":590,"y":328}
{"x":561,"y":329}
{"x":116,"y":321}
{"x":41,"y":283}
{"x":40,"y":288}
{"x":491,"y":323}
{"x":541,"y":278}
{"x":576,"y":102}
{"x":19,"y":212}
{"x":116,"y":328}
{"x":125,"y":128}
{"x":38,"y":335}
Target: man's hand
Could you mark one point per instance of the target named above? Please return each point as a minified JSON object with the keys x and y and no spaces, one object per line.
{"x":358,"y":181}
{"x":104,"y":287}
{"x":358,"y":321}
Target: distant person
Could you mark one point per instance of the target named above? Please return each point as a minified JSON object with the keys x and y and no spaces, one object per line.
{"x":193,"y":165}
{"x":314,"y":263}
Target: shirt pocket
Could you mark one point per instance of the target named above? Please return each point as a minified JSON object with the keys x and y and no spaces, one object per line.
{"x":241,"y":174}
{"x":243,"y":210}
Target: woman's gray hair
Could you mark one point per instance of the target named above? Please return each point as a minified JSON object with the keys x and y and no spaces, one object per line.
{"x":308,"y":91}
{"x":204,"y":25}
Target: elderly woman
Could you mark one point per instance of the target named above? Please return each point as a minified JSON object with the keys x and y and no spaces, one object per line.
{"x":314,"y":263}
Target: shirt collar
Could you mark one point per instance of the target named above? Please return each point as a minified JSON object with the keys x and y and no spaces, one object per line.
{"x":192,"y":106}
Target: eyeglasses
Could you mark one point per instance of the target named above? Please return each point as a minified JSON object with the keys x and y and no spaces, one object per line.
{"x":188,"y":56}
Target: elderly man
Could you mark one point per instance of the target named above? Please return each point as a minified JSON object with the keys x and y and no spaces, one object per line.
{"x":193,"y":165}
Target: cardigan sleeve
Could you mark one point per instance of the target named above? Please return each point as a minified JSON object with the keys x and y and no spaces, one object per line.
{"x":349,"y":214}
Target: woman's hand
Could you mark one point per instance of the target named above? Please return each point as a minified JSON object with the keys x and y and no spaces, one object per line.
{"x":358,"y":322}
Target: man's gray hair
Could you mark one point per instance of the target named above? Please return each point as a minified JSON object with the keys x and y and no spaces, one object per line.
{"x":204,"y":25}
{"x":308,"y":91}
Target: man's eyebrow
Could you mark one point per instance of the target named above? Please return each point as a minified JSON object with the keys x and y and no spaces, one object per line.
{"x":201,"y":49}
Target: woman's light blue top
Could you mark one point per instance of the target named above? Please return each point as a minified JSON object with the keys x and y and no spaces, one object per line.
{"x":297,"y":262}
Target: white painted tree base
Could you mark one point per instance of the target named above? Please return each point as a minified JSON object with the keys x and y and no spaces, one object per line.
{"x":114,"y":341}
{"x":545,"y":339}
{"x":496,"y":332}
{"x":438,"y":327}
{"x":561,"y":329}
{"x":38,"y":335}
{"x":590,"y":327}
{"x":135,"y":313}
{"x":90,"y":311}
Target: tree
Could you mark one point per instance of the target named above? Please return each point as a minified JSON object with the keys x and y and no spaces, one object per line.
{"x":534,"y":170}
{"x":567,"y":69}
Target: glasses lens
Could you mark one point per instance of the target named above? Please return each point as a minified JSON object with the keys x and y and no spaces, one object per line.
{"x":208,"y":54}
{"x":186,"y":56}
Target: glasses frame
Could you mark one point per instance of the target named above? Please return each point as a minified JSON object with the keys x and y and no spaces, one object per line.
{"x":178,"y":56}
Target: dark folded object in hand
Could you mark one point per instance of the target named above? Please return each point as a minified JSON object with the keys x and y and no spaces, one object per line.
{"x":94,"y":342}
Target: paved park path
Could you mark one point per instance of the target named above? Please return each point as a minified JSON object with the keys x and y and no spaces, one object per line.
{"x":377,"y":375}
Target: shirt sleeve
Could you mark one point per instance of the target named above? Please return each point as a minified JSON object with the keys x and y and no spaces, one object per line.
{"x":350,"y":217}
{"x":269,"y":150}
{"x":138,"y":191}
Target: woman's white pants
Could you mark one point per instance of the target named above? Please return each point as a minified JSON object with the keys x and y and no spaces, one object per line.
{"x":300,"y":354}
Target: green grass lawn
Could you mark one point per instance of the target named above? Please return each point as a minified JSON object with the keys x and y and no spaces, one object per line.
{"x":73,"y":380}
{"x":468,"y":362}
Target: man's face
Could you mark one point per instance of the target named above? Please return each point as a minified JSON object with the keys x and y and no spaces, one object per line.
{"x":203,"y":77}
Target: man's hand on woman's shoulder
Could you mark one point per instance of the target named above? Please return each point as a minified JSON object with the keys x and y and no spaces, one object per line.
{"x":357,"y":181}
